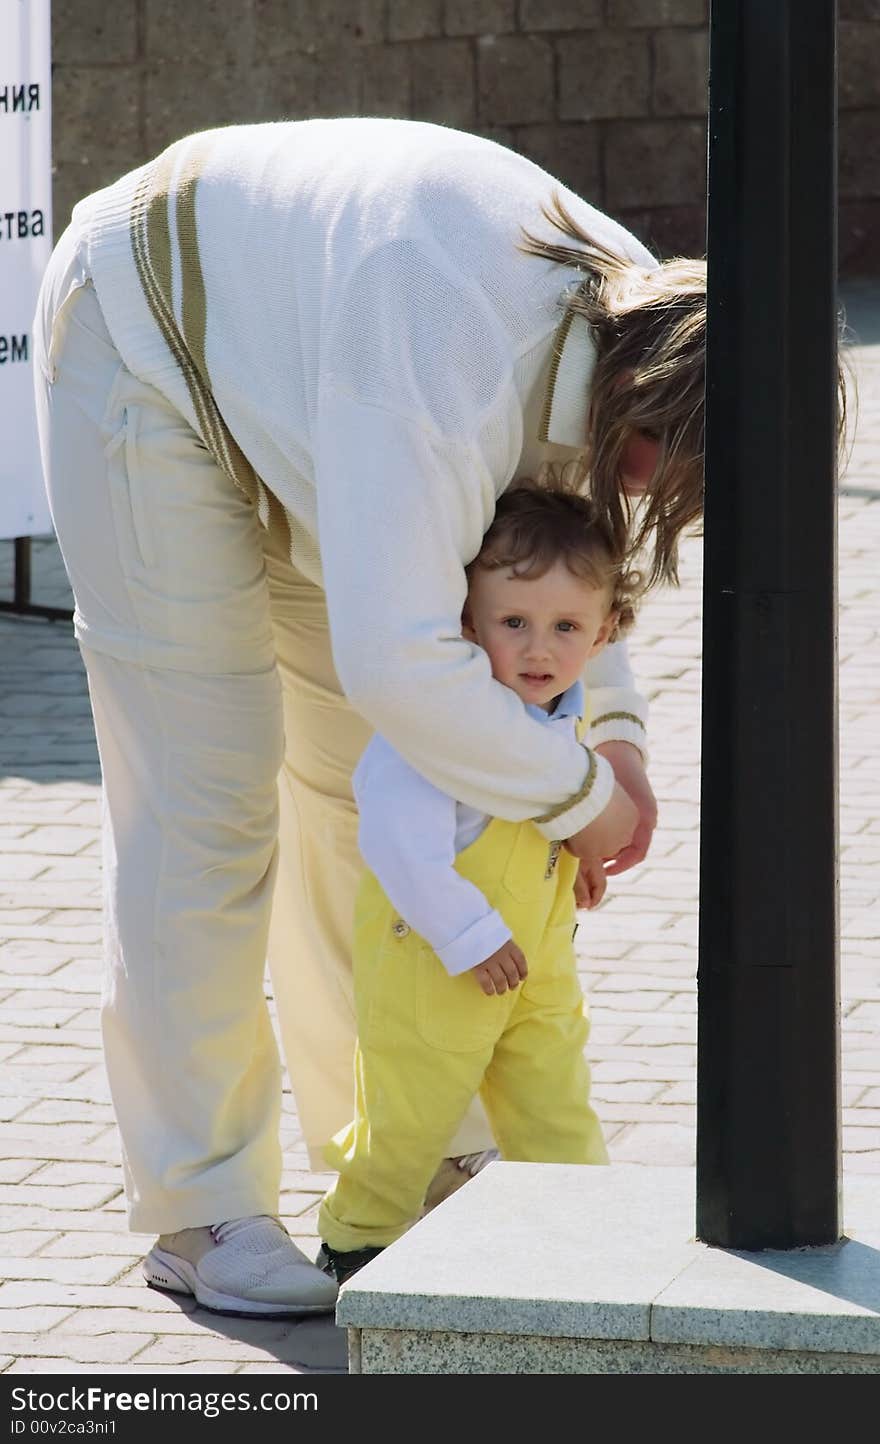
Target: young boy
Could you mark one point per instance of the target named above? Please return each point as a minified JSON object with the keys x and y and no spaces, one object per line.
{"x":464,"y":964}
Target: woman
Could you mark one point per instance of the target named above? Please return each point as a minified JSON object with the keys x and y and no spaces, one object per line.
{"x":284,"y":373}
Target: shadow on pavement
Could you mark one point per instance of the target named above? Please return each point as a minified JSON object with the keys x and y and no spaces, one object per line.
{"x":307,"y":1346}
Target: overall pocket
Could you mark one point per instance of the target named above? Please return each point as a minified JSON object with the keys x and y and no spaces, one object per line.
{"x":454,"y":1013}
{"x":553,"y":982}
{"x":523,"y":876}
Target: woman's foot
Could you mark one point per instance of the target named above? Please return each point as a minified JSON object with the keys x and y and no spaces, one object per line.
{"x":248,"y":1266}
{"x":454,"y":1173}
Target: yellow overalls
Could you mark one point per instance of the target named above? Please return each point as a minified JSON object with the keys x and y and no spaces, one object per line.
{"x":428,"y":1042}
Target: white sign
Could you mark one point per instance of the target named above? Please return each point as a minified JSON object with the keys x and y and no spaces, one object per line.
{"x":25,"y":246}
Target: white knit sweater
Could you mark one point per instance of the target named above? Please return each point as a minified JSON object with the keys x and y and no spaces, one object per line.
{"x":341,"y":311}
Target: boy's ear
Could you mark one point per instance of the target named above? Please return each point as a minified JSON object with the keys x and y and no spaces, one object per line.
{"x":467,"y":626}
{"x":606,"y":633}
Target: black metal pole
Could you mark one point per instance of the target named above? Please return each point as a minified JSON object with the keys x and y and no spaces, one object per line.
{"x":768,"y":1104}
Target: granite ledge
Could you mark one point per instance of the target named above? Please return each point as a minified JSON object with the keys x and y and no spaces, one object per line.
{"x":385,"y":1351}
{"x":552,"y":1251}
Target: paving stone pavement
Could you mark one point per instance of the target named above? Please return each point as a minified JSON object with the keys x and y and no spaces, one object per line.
{"x":71,"y":1298}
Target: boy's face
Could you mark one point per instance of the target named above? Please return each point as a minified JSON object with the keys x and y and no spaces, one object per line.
{"x":538,"y":632}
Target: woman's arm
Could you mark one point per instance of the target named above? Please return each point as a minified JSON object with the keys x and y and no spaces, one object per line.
{"x":400,"y":513}
{"x":618,"y":712}
{"x":629,"y":773}
{"x":618,"y":732}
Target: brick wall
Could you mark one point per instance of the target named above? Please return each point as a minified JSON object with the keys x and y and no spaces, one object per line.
{"x":609,"y":95}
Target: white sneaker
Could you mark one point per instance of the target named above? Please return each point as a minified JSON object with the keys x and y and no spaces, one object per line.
{"x":246,"y":1266}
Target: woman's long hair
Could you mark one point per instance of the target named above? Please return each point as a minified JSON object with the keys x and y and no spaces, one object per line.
{"x":649,"y":326}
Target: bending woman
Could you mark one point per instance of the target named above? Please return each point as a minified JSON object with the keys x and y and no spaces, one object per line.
{"x":284,"y":372}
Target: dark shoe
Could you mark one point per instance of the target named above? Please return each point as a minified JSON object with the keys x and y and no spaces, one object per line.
{"x":340,"y":1265}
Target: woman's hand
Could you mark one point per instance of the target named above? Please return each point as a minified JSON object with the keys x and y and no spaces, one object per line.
{"x":630,"y":774}
{"x":610,"y":834}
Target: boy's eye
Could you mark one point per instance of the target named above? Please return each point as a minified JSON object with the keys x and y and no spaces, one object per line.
{"x":565,"y":626}
{"x":513,"y":622}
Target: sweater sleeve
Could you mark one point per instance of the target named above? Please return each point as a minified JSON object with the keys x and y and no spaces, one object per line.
{"x":399,"y":515}
{"x":407,"y":839}
{"x":417,"y":431}
{"x":618,"y":712}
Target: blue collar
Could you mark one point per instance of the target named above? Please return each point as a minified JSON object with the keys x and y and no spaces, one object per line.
{"x":570,"y":704}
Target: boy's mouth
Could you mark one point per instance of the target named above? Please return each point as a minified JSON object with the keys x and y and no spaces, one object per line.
{"x":537,"y":678}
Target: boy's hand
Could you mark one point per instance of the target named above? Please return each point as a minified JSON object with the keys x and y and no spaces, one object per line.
{"x":590,"y":883}
{"x":505,"y":969}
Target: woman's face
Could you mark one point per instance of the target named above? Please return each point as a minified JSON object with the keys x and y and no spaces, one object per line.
{"x":638,"y":463}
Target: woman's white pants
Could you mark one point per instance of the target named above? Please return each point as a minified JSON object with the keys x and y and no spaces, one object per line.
{"x":205,"y":649}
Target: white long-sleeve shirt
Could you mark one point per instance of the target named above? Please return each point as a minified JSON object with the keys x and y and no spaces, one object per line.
{"x":410,"y":833}
{"x":341,"y":311}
